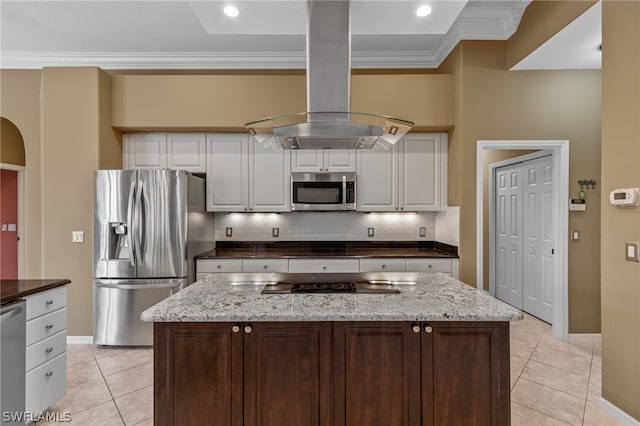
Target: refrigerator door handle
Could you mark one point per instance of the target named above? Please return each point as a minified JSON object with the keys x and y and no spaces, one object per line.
{"x":130,"y":213}
{"x":139,"y":224}
{"x":139,"y":286}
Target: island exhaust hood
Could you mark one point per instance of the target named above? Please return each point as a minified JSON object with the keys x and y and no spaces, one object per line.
{"x":328,"y":123}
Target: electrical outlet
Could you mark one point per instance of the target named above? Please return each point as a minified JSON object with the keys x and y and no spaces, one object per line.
{"x":370,"y":232}
{"x":228,"y":232}
{"x":77,"y":236}
{"x":423,"y":231}
{"x":275,"y":232}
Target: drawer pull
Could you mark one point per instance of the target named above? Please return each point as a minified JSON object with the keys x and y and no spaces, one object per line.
{"x":48,"y":326}
{"x":248,"y":329}
{"x":430,"y":266}
{"x":49,"y":302}
{"x":265,"y":267}
{"x":235,"y":328}
{"x":428,"y":329}
{"x":384,"y":266}
{"x":415,"y":328}
{"x":324,"y":268}
{"x":49,"y":349}
{"x":218,"y":266}
{"x":49,"y":373}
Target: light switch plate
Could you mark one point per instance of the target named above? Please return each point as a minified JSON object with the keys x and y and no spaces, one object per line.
{"x":631,"y":251}
{"x":228,"y":232}
{"x":423,"y":231}
{"x":77,"y":236}
{"x":275,"y":232}
{"x":575,"y":235}
{"x":371,"y":232}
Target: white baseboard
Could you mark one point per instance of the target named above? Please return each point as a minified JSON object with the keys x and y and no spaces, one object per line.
{"x":585,"y":337}
{"x":617,"y":413}
{"x":79,"y":340}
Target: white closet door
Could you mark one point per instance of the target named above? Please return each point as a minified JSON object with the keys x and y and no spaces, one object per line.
{"x":508,"y":256}
{"x":539,"y":262}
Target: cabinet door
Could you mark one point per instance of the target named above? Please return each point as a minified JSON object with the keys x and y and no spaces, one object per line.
{"x":287,"y":374}
{"x":377,"y":186}
{"x":465,"y":369}
{"x":145,"y":151}
{"x":198,"y":374}
{"x":423,"y":171}
{"x":339,"y":160}
{"x":376,"y":374}
{"x":227,"y":173}
{"x":307,"y":161}
{"x":187,"y":151}
{"x":269,"y":178}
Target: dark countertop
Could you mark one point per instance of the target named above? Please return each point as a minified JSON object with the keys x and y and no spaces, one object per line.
{"x":15,"y":289}
{"x":357,"y":249}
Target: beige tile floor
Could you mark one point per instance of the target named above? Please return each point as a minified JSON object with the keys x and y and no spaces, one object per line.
{"x":552,"y":382}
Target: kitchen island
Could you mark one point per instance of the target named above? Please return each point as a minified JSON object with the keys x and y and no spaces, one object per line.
{"x":437,"y":353}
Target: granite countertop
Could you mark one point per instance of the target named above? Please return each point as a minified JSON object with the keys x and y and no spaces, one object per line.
{"x":352,"y":249}
{"x":15,"y":289}
{"x":236,"y":297}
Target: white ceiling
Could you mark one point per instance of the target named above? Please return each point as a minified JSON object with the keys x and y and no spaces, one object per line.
{"x":267,"y":34}
{"x":151,"y":34}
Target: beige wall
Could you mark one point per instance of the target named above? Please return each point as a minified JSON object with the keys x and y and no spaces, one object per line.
{"x":227,"y":102}
{"x":20,"y":103}
{"x":72,"y":132}
{"x":11,"y":143}
{"x":620,"y":168}
{"x":499,"y":104}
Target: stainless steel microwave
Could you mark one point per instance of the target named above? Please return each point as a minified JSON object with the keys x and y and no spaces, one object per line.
{"x":323,"y":191}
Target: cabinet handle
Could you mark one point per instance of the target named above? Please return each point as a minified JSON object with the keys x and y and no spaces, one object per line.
{"x":324,"y":268}
{"x":218,"y":266}
{"x":265,"y":267}
{"x":415,"y":328}
{"x":248,"y":329}
{"x":49,"y":302}
{"x":429,"y":266}
{"x":428,"y":329}
{"x":49,"y":349}
{"x":384,"y":266}
{"x":49,"y":373}
{"x":235,"y":328}
{"x":48,"y":326}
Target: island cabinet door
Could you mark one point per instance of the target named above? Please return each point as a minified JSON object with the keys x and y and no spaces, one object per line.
{"x":287,"y":374}
{"x":197,"y":374}
{"x":376,"y":374}
{"x":465,"y":374}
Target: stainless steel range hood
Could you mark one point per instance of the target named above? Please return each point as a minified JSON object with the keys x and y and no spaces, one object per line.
{"x":328,"y":122}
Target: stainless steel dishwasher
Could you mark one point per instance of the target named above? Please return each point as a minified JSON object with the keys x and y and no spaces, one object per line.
{"x":13,"y":322}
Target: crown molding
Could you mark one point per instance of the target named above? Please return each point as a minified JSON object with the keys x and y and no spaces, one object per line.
{"x":477,"y":21}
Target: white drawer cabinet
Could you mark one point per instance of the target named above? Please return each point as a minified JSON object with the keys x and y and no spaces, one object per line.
{"x":48,"y":301}
{"x":265,"y":265}
{"x":392,"y":264}
{"x":324,"y":265}
{"x":218,"y":265}
{"x":46,"y":352}
{"x":430,"y":265}
{"x":46,"y":384}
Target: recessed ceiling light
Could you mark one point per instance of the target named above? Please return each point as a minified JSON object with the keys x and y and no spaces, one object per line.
{"x":423,"y":11}
{"x":231,"y":11}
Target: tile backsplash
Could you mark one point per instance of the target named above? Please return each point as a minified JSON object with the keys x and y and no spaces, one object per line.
{"x":327,"y":226}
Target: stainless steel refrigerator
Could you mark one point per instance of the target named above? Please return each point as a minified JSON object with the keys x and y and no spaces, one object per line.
{"x":148,"y":226}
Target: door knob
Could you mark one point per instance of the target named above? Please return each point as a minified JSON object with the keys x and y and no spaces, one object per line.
{"x":235,"y":328}
{"x":415,"y":328}
{"x":248,"y":329}
{"x":428,"y":329}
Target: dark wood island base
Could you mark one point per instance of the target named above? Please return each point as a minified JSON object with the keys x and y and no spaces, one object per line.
{"x":332,"y":373}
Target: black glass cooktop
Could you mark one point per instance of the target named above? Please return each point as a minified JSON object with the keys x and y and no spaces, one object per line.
{"x":330,"y":287}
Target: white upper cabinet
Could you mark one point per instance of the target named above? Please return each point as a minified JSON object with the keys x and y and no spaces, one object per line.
{"x":242,"y":176}
{"x":184,"y":151}
{"x":323,"y":160}
{"x":227,"y":172}
{"x":269,"y":178}
{"x":423,"y":172}
{"x":410,"y":176}
{"x":187,"y":151}
{"x":377,"y":185}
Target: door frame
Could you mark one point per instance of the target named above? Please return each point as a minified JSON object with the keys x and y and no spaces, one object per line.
{"x":22,"y":224}
{"x":560,"y":159}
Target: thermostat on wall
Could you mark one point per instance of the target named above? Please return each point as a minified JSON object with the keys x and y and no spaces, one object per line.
{"x":624,"y":197}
